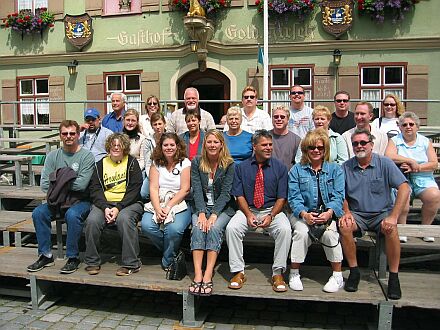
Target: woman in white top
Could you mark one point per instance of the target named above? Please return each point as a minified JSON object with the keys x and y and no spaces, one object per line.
{"x":388,"y":123}
{"x":151,"y":106}
{"x":168,"y":217}
{"x":137,"y":139}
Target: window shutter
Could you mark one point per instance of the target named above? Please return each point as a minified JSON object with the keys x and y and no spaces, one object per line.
{"x":95,"y":91}
{"x":56,"y":93}
{"x":150,"y":84}
{"x":349,"y":80}
{"x":417,"y":88}
{"x":7,"y":7}
{"x":256,"y":80}
{"x":94,"y":7}
{"x":9,"y":92}
{"x":240,"y":3}
{"x":150,"y":5}
{"x":57,"y":8}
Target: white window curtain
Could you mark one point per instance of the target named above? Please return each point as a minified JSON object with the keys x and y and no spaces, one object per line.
{"x":24,"y":4}
{"x":26,"y":107}
{"x":308,"y":96}
{"x":280,"y":98}
{"x":131,"y":99}
{"x":42,"y":108}
{"x":372,"y":94}
{"x":41,"y":3}
{"x":397,"y":92}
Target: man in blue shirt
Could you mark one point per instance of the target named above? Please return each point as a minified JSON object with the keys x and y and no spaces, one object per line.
{"x":369,"y":179}
{"x":260,"y":187}
{"x":114,"y":120}
{"x":93,"y":135}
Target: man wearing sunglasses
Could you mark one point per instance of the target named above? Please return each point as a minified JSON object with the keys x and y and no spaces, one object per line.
{"x":342,"y":118}
{"x":65,"y":178}
{"x":363,"y":114}
{"x":177,"y":123}
{"x":93,"y":135}
{"x":300,"y":121}
{"x":368,"y":205}
{"x":285,"y":142}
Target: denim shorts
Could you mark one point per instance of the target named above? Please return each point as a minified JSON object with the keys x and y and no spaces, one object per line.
{"x":420,"y":183}
{"x":370,"y":223}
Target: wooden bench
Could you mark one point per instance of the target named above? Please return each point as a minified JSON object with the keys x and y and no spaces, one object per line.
{"x":18,"y":161}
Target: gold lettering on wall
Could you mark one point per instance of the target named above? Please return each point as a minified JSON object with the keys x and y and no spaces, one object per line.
{"x":292,"y":32}
{"x":144,"y":37}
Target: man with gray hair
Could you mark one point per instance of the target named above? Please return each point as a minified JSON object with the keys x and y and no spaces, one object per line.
{"x":177,"y":122}
{"x":114,"y":120}
{"x":368,"y":205}
{"x":260,"y":187}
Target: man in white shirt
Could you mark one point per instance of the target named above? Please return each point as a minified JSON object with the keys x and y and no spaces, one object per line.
{"x":363,"y":114}
{"x":177,"y":122}
{"x":253,"y":119}
{"x":301,"y":120}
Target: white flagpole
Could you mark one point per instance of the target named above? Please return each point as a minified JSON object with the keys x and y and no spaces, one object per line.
{"x":265,"y":54}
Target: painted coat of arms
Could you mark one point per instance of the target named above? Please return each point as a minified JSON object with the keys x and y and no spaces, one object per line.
{"x":337,"y":16}
{"x":78,"y":29}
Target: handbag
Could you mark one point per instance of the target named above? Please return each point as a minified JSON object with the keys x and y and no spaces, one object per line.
{"x":317,"y":230}
{"x":177,"y":270}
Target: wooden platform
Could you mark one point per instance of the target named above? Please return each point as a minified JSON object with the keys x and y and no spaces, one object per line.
{"x":27,"y":192}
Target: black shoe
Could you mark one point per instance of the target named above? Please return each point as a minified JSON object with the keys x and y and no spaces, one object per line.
{"x":352,"y":283}
{"x":394,"y":291}
{"x":42,"y":262}
{"x":71,"y":266}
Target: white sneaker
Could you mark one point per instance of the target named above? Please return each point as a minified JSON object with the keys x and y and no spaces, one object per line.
{"x":333,"y":285}
{"x":295,"y":282}
{"x":429,"y":239}
{"x":403,"y":239}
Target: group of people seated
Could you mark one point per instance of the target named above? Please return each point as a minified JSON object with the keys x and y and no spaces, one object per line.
{"x":289,"y":174}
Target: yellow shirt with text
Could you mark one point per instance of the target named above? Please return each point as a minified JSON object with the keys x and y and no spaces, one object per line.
{"x":114,"y":176}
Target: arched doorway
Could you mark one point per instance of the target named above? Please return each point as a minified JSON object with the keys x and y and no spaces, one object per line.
{"x":212,"y":85}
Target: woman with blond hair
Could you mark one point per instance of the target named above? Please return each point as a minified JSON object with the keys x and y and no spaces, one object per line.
{"x":152,"y":105}
{"x":338,"y":148}
{"x":316,"y":194}
{"x":137,"y":139}
{"x":213,"y":206}
{"x":239,"y":142}
{"x":388,"y":123}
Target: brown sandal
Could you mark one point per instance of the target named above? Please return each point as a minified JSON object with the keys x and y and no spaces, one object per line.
{"x":239,"y":278}
{"x":278,"y":284}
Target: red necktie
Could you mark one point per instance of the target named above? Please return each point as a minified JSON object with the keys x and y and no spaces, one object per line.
{"x":259,"y":188}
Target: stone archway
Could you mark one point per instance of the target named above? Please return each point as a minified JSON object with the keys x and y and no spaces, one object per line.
{"x":212,"y":85}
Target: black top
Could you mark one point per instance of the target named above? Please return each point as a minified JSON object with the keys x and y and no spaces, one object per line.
{"x":341,"y":125}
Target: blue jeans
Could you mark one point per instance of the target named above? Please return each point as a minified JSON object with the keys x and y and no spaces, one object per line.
{"x":168,"y":239}
{"x":42,"y":217}
{"x":145,"y":190}
{"x":212,"y":240}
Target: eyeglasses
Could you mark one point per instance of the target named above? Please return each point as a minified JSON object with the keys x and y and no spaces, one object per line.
{"x":68,"y":133}
{"x":279,"y":116}
{"x":389,"y":104}
{"x":296,"y":93}
{"x":152,"y":103}
{"x":248,"y":97}
{"x":311,"y":148}
{"x":342,"y":100}
{"x":362,"y":143}
{"x":408,"y":124}
{"x":116,"y":146}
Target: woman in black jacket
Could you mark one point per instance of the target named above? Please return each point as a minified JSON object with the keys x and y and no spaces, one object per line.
{"x":115,"y":193}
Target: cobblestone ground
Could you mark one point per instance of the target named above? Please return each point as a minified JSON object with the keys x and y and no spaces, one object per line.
{"x":87,"y":307}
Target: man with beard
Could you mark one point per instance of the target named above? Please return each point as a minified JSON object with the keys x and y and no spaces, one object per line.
{"x":93,"y":135}
{"x":177,"y":122}
{"x":368,"y":205}
{"x":363,"y":114}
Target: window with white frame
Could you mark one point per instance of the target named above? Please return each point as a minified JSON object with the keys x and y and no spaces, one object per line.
{"x":128,"y":83}
{"x":381,"y":79}
{"x":33,"y":93}
{"x":32,"y":6}
{"x":117,"y":7}
{"x":283,"y":78}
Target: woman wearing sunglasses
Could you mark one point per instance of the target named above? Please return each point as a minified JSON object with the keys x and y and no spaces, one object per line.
{"x":416,"y":157}
{"x":151,"y":106}
{"x":212,"y":174}
{"x":316,"y":195}
{"x":392,"y":108}
{"x":167,"y":215}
